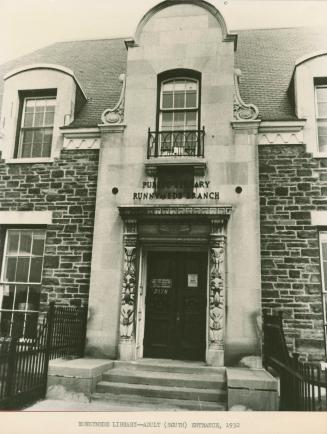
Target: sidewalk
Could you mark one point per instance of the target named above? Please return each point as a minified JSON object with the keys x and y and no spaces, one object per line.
{"x":60,"y":405}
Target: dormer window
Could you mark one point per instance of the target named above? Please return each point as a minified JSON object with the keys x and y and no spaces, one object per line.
{"x":36,"y":126}
{"x":321,"y":114}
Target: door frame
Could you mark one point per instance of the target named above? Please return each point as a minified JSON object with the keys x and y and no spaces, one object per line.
{"x":142,"y":288}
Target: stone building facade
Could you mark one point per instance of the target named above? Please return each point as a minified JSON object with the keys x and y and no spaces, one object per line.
{"x":174,"y":182}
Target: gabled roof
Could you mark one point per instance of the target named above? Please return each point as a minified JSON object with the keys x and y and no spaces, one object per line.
{"x":266,"y":58}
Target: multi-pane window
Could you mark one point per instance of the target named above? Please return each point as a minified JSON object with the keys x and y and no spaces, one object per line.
{"x":36,"y":130}
{"x":21,"y":274}
{"x":321,"y":113}
{"x":323,"y":258}
{"x":179,"y":115}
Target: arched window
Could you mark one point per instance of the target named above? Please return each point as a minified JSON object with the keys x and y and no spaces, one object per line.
{"x":179,"y":104}
{"x":179,"y":116}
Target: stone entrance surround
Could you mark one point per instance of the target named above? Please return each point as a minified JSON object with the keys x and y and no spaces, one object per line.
{"x":215,"y":218}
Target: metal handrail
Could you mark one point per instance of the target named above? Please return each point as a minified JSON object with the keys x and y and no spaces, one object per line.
{"x":176,"y":143}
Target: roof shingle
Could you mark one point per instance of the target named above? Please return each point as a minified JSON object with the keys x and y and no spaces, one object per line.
{"x":266,"y":58}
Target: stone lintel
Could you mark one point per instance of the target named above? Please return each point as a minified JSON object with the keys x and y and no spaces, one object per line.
{"x":26,"y":217}
{"x":241,"y":126}
{"x":136,"y":211}
{"x":281,"y":126}
{"x":115,"y":128}
{"x":80,"y":133}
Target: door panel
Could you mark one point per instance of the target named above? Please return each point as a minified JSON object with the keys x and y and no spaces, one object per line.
{"x":159,"y":299}
{"x":175,"y":305}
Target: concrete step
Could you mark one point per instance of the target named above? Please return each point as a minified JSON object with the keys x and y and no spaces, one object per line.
{"x":145,"y":403}
{"x":163,"y":365}
{"x":185,"y":393}
{"x":161,"y":378}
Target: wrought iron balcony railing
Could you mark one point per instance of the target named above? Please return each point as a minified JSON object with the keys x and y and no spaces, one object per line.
{"x":176,"y":143}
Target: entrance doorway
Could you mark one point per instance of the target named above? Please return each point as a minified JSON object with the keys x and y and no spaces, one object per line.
{"x":175,"y":313}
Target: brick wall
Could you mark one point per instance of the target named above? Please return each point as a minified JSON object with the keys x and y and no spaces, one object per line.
{"x":68,"y":188}
{"x":292,"y":184}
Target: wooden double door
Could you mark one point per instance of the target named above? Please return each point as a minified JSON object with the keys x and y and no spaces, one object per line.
{"x":175,"y":313}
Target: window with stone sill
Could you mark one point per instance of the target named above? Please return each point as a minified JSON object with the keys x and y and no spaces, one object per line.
{"x":321,"y":117}
{"x":35,"y":125}
{"x":179,"y":116}
{"x":21,"y":276}
{"x":323,"y":259}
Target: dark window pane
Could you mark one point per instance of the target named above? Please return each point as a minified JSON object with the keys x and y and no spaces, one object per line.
{"x":179,"y":100}
{"x":325,"y":275}
{"x":11,"y":269}
{"x":36,"y":269}
{"x":191,"y":119}
{"x":34,"y":297}
{"x":13,"y":239}
{"x":22,"y":269}
{"x":37,"y":150}
{"x":191,"y":99}
{"x":38,"y":136}
{"x":8,"y":296}
{"x":27,"y":137}
{"x":48,"y":120}
{"x":21,"y":297}
{"x":38,"y":120}
{"x":179,"y":119}
{"x":46,"y":150}
{"x":324,"y":250}
{"x":167,"y":100}
{"x":38,"y":245}
{"x":26,"y":150}
{"x":25,"y":243}
{"x":28,"y":121}
{"x":167,"y":119}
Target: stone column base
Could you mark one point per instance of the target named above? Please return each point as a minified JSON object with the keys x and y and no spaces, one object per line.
{"x":215,"y":357}
{"x":126,"y":350}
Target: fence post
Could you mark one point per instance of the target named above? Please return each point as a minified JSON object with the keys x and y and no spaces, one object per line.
{"x":10,"y":380}
{"x":50,"y":320}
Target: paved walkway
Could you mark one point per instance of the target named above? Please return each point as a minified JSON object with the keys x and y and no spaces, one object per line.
{"x":59,"y":405}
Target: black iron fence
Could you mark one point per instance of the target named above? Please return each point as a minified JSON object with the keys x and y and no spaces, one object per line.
{"x":27,"y":342}
{"x":68,"y":335}
{"x":303,"y":385}
{"x":176,"y":143}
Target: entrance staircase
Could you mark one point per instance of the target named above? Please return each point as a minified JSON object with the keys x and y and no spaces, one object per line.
{"x":154,"y":384}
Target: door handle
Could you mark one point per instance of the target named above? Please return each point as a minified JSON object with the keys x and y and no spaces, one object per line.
{"x":178,"y":317}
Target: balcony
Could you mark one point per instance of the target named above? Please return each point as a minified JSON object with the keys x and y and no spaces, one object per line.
{"x":176,"y":143}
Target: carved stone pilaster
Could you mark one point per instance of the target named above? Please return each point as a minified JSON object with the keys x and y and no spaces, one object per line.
{"x":128,"y":293}
{"x":217,"y":294}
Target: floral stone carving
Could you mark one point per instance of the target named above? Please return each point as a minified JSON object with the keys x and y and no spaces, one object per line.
{"x":217,"y":302}
{"x":128,"y":293}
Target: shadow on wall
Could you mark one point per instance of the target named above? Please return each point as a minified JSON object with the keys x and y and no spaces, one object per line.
{"x":247,"y":354}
